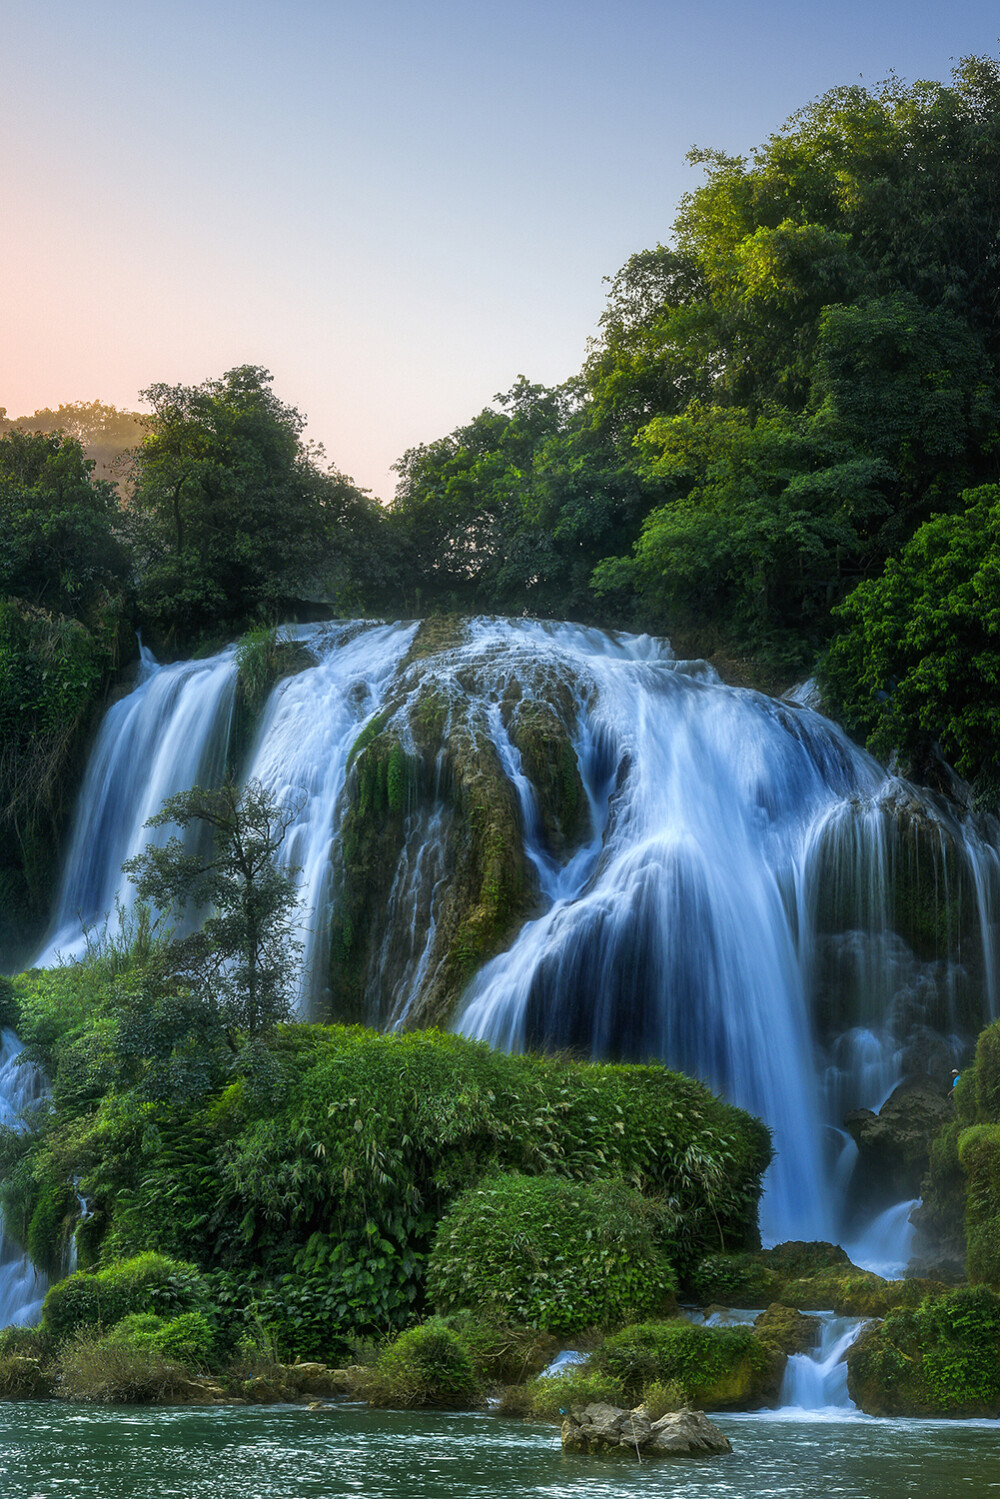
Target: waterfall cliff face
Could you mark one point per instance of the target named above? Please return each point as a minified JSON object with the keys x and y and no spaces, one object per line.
{"x":554,"y":837}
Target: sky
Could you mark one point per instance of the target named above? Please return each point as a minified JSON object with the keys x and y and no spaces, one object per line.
{"x":396,"y":208}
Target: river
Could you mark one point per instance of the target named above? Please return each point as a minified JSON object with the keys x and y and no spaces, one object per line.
{"x":51,"y":1451}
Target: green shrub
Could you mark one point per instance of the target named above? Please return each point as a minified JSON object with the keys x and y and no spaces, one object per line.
{"x":189,"y":1338}
{"x":546,"y":1252}
{"x":427,"y":1366}
{"x":23,"y":1378}
{"x":502,"y":1354}
{"x":940,"y":1359}
{"x":32,"y":1342}
{"x":735,"y":1280}
{"x":147,"y":1283}
{"x":555,"y":1396}
{"x":714,"y":1367}
{"x":979,"y":1154}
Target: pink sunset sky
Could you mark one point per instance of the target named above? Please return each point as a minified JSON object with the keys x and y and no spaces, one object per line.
{"x":395,"y":207}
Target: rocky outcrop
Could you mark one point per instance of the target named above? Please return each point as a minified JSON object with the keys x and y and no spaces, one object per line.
{"x":604,"y":1428}
{"x":895,"y":1143}
{"x":786,"y":1329}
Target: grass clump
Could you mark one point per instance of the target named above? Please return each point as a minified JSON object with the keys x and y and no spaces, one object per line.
{"x":553,"y":1254}
{"x":426,"y":1367}
{"x":553,"y":1397}
{"x":98,"y":1367}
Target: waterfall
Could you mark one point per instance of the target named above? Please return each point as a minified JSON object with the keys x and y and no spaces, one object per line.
{"x":22,"y":1287}
{"x":816,"y":1381}
{"x":170,"y":733}
{"x":751,"y":899}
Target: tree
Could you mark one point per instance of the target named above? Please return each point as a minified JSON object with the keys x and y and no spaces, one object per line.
{"x":918,"y":657}
{"x":60,"y":547}
{"x":242,"y":958}
{"x":241,"y":522}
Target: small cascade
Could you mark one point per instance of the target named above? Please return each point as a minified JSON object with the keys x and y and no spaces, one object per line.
{"x":310,"y":724}
{"x":22,"y":1287}
{"x":816,"y":1381}
{"x":887,"y":1242}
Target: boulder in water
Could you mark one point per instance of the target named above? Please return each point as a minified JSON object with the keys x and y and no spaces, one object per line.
{"x":603,"y":1428}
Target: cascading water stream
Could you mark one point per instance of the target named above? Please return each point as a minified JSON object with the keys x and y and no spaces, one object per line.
{"x":300,"y":756}
{"x":755,"y":901}
{"x":170,"y":733}
{"x":816,"y":1381}
{"x":22,"y":1287}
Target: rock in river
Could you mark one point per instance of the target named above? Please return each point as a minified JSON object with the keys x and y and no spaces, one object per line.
{"x":684,"y":1433}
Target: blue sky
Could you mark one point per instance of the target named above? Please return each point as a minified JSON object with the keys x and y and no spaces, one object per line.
{"x":397,"y":208}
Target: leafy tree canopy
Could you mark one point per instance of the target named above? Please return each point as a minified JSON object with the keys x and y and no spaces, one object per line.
{"x":918,"y":655}
{"x":242,"y":518}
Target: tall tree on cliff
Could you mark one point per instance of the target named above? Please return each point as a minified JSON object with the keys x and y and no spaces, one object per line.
{"x":242,"y":521}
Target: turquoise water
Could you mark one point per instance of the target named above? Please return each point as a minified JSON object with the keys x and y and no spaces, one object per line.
{"x":59,"y":1451}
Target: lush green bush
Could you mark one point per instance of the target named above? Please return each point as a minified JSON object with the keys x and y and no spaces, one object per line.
{"x":96,"y":1367}
{"x":716,"y":1368}
{"x":550,"y":1253}
{"x":734,"y":1280}
{"x":941,"y":1358}
{"x":553,"y":1397}
{"x":24,"y":1377}
{"x":336,"y":1174}
{"x":426,"y":1366}
{"x":147,"y":1283}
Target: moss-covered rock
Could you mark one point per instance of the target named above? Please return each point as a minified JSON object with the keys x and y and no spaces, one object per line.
{"x":940,"y":1358}
{"x":788,"y":1330}
{"x":549,"y":761}
{"x":713,"y":1368}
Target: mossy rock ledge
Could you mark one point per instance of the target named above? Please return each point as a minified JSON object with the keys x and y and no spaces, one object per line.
{"x":432,"y":848}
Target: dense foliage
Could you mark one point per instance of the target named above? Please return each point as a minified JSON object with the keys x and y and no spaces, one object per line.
{"x":330,"y":1163}
{"x":63,"y":586}
{"x":779,"y":399}
{"x":942,"y":1358}
{"x":554,"y":1254}
{"x":919,"y":655}
{"x":241,"y":518}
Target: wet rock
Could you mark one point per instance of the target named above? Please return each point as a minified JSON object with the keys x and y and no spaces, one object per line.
{"x":894,"y":1144}
{"x":785,"y":1328}
{"x":602,"y":1428}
